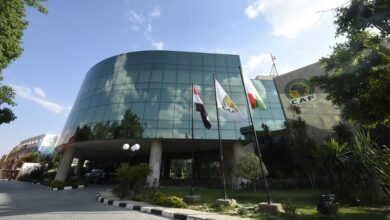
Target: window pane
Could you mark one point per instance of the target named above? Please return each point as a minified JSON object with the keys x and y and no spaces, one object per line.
{"x":144,"y":76}
{"x":152,"y":111}
{"x":157,"y":76}
{"x":170,"y":76}
{"x":183,"y":77}
{"x":138,"y":109}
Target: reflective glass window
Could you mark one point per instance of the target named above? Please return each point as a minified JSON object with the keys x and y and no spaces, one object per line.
{"x":138,"y":109}
{"x":183,"y":77}
{"x":144,"y":76}
{"x":170,"y":76}
{"x":157,"y":76}
{"x":152,"y":111}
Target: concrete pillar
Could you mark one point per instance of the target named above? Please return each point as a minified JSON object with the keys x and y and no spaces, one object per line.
{"x":155,"y":164}
{"x":79,"y":167}
{"x":66,"y":162}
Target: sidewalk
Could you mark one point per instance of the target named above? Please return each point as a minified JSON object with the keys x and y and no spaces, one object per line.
{"x":175,"y":213}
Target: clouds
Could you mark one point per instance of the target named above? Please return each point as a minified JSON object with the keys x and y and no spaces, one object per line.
{"x":143,"y":22}
{"x":38,"y":96}
{"x":289,"y":18}
{"x":258,"y":64}
{"x":156,"y":12}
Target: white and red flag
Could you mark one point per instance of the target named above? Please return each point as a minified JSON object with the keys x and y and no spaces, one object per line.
{"x":200,"y":108}
{"x":255,"y":100}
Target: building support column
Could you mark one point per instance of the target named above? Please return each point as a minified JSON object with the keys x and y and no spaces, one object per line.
{"x":155,"y":164}
{"x":79,"y":167}
{"x":66,"y":162}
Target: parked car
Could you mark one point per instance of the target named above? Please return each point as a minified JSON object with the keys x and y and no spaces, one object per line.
{"x":96,"y":176}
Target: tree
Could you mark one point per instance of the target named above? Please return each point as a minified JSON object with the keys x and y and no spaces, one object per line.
{"x":357,"y":72}
{"x":361,"y":15}
{"x":302,"y":149}
{"x":12,"y":24}
{"x":6,"y":97}
{"x":248,"y":167}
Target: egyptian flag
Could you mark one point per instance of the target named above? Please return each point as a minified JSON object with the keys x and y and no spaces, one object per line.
{"x":200,"y":108}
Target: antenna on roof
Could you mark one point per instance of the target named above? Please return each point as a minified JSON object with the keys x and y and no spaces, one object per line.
{"x":274,"y":71}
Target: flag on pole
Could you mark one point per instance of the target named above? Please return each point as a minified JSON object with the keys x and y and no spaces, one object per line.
{"x":226,"y":104}
{"x":254,"y":97}
{"x":200,"y":108}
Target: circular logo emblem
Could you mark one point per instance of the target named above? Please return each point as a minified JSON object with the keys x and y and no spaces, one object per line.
{"x":298,"y":88}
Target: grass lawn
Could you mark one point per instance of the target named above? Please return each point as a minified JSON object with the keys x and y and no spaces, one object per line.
{"x":304,"y":200}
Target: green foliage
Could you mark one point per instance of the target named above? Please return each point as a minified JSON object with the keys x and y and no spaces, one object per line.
{"x":302,"y":148}
{"x":363,"y":14}
{"x":7,"y":95}
{"x":159,"y":198}
{"x":12,"y":24}
{"x":56,"y":183}
{"x":242,"y":211}
{"x":248,"y":167}
{"x":33,"y":157}
{"x":356,"y":172}
{"x":290,"y":209}
{"x":343,"y":133}
{"x":138,"y":197}
{"x":133,"y":175}
{"x":358,"y":76}
{"x":373,"y":158}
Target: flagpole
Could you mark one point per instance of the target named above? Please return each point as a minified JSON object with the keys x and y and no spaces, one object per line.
{"x":192,"y":146}
{"x":256,"y":140}
{"x":220,"y":145}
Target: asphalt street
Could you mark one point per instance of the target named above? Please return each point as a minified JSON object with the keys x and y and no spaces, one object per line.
{"x":20,"y":200}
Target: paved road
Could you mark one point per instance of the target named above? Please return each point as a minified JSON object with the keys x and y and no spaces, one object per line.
{"x":25,"y":201}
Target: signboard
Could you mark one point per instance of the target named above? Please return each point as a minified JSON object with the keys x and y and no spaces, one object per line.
{"x":300,"y":91}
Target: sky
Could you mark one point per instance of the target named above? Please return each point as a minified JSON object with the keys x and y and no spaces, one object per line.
{"x":61,"y":46}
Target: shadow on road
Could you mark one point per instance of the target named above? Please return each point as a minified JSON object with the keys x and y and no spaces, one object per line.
{"x":19,"y":198}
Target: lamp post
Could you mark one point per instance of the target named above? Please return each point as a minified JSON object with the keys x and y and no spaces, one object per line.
{"x":133,"y":148}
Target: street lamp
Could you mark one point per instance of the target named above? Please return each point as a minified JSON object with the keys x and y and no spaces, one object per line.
{"x":133,"y":148}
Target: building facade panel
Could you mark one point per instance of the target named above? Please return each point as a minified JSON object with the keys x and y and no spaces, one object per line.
{"x":319,"y":113}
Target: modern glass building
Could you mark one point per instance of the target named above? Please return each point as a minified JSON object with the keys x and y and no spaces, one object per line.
{"x":146,"y":97}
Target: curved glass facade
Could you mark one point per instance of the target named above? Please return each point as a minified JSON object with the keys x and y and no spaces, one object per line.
{"x":147,"y":94}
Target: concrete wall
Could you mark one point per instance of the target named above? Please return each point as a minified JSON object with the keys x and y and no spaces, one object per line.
{"x":320,"y":115}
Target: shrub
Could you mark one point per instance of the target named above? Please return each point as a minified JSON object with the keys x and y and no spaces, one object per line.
{"x":290,"y":210}
{"x":159,"y":198}
{"x":242,"y":211}
{"x":138,"y":197}
{"x":133,"y":174}
{"x":56,"y":183}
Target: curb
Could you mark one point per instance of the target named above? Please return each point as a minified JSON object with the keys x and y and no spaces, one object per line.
{"x":61,"y":187}
{"x":150,"y":210}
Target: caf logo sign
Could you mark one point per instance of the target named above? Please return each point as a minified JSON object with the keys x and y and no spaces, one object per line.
{"x":299,"y":91}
